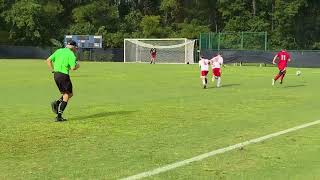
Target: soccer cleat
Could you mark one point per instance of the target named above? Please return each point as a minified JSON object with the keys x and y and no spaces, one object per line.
{"x":54,"y":107}
{"x":273,"y":82}
{"x":60,"y":119}
{"x":280,"y":82}
{"x":204,"y":86}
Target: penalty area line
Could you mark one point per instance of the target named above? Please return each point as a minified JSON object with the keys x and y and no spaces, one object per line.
{"x":215,"y":152}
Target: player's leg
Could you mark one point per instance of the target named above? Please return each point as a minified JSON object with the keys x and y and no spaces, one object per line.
{"x":58,"y":80}
{"x":213,"y":77}
{"x":62,"y":106}
{"x":217,"y":75}
{"x":219,"y":81}
{"x":204,"y":78}
{"x":279,"y":74}
{"x":282,"y":76}
{"x":66,"y":90}
{"x":55,"y":104}
{"x":203,"y":81}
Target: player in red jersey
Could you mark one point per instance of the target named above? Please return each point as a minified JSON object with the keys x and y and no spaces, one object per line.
{"x":153,"y":54}
{"x":283,"y":57}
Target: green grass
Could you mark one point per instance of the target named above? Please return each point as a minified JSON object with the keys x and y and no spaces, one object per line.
{"x":125,"y":119}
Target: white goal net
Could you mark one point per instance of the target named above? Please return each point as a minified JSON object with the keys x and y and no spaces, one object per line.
{"x":178,"y":50}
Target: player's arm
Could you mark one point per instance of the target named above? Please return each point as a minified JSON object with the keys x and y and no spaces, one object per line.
{"x":50,"y":61}
{"x":74,"y":65}
{"x":274,"y":59}
{"x":50,"y":65}
{"x":221,"y":60}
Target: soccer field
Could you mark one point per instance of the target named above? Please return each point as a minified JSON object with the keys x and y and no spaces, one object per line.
{"x":125,"y":119}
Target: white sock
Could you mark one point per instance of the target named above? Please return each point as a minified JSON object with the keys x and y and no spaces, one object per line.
{"x":203,"y":82}
{"x":219,"y":82}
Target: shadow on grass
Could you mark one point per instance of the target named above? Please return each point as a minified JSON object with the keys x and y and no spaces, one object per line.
{"x":224,"y":85}
{"x":229,"y":85}
{"x":293,"y":86}
{"x":102,"y":114}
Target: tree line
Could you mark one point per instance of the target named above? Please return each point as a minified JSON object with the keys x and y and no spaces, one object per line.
{"x":291,"y":24}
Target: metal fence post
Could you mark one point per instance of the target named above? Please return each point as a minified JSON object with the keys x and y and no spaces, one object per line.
{"x":219,"y":41}
{"x":241,"y":40}
{"x":265,"y":40}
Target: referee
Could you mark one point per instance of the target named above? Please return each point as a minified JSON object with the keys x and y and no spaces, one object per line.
{"x":60,"y":62}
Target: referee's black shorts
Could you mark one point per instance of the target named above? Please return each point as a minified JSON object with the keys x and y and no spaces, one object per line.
{"x":63,"y":82}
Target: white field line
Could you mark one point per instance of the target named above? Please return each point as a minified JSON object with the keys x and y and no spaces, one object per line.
{"x":215,"y":152}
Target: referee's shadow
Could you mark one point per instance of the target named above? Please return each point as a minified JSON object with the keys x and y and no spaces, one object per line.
{"x":101,"y":114}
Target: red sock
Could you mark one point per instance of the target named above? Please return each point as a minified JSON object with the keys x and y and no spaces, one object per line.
{"x":277,"y":77}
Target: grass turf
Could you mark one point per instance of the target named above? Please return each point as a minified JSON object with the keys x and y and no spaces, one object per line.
{"x":129,"y":118}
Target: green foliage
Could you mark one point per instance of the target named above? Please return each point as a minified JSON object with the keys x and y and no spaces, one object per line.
{"x":94,"y":15}
{"x":191,"y":29}
{"x":24,"y":19}
{"x":151,"y":27}
{"x":285,"y":15}
{"x":170,"y":9}
{"x":82,"y":28}
{"x":131,"y":22}
{"x":293,"y":24}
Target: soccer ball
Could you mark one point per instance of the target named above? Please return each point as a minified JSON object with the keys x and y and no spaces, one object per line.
{"x":298,"y":73}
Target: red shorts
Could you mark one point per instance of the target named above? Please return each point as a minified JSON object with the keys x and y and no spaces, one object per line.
{"x":281,"y":68}
{"x":204,"y":73}
{"x":153,"y":56}
{"x":216,"y":72}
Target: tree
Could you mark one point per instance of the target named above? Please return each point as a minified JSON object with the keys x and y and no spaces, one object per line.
{"x":151,"y":27}
{"x":88,"y":18}
{"x":191,"y":29}
{"x":285,"y":15}
{"x":24,"y":19}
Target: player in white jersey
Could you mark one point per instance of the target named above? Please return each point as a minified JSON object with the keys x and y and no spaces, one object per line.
{"x":204,"y":66}
{"x":216,"y":63}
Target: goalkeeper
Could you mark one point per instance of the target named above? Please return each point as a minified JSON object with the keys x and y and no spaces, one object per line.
{"x":153,"y":54}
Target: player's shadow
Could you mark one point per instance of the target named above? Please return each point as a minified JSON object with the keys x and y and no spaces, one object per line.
{"x":229,"y":85}
{"x":293,"y":86}
{"x":102,"y":114}
{"x":223,"y":85}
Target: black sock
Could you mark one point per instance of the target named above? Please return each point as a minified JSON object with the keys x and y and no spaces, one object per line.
{"x":62,"y":106}
{"x":206,"y":80}
{"x":59,"y":100}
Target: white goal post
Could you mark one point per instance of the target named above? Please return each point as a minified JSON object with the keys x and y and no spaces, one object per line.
{"x":170,"y":50}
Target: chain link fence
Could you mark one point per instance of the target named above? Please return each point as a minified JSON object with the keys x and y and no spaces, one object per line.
{"x":301,"y":58}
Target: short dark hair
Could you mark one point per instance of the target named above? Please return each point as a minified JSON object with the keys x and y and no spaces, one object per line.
{"x":72,"y":43}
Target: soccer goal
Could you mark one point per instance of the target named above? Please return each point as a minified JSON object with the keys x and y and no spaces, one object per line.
{"x":172,"y":50}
